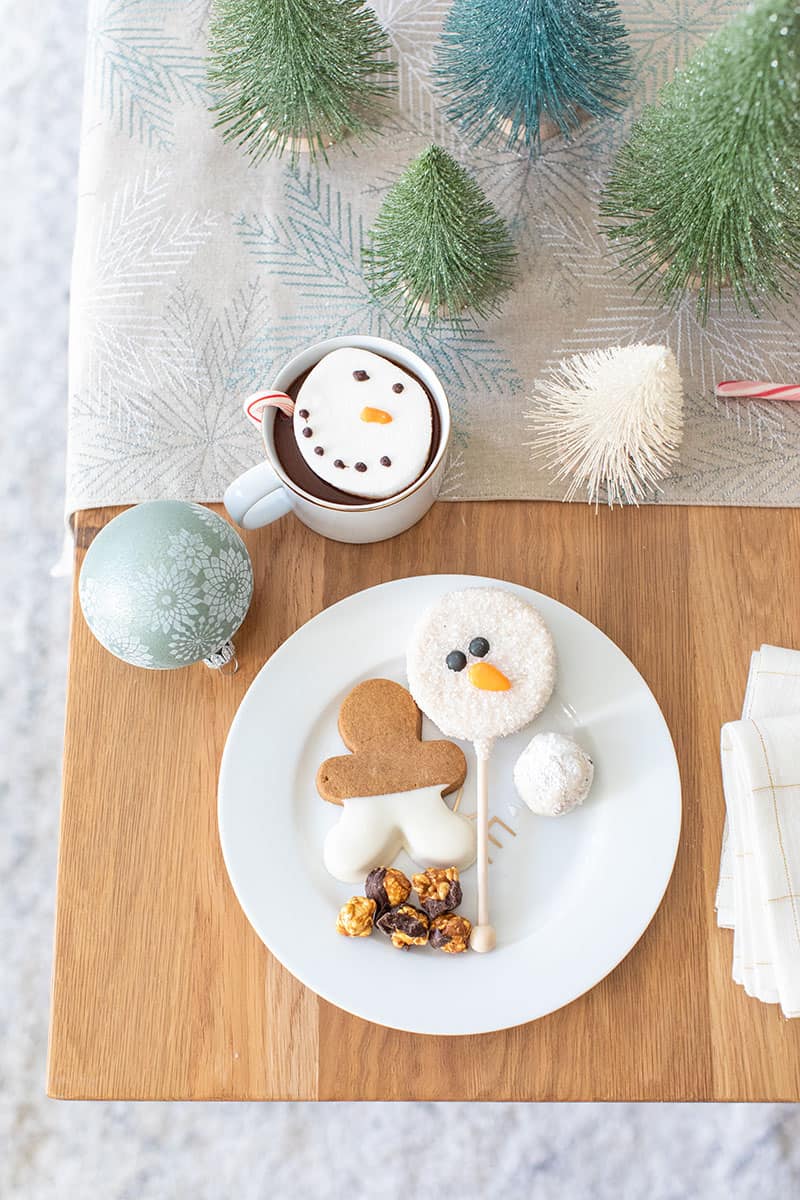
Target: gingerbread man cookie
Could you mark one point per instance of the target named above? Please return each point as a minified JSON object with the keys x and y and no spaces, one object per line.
{"x":391,"y":787}
{"x":363,"y":424}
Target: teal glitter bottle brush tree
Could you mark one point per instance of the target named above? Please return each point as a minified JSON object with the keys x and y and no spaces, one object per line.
{"x":705,"y":194}
{"x":438,"y":246}
{"x":525,"y":70}
{"x":296,"y":75}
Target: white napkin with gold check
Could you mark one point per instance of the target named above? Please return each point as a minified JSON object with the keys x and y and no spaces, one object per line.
{"x":759,"y":887}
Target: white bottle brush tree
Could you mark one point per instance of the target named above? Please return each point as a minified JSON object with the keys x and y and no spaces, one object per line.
{"x":296,"y":75}
{"x":610,"y":422}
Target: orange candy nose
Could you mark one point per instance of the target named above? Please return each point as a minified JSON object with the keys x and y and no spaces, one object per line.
{"x":486,"y":677}
{"x":376,"y":415}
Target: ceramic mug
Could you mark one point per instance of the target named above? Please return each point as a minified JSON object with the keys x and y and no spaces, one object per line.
{"x":265,"y":492}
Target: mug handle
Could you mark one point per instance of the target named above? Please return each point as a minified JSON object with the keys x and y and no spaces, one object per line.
{"x":256,"y":498}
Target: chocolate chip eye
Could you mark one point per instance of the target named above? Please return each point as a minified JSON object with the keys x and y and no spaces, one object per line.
{"x":456,"y":660}
{"x":397,"y":387}
{"x":360,"y":376}
{"x":479,"y":647}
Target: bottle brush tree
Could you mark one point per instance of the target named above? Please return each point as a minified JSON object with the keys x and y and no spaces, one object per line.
{"x":511,"y":67}
{"x":705,"y":194}
{"x":438,"y":246}
{"x":610,"y":421}
{"x":296,"y":74}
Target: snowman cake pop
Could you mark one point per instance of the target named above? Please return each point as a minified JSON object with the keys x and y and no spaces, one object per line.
{"x":390,"y":788}
{"x":363,"y":424}
{"x":481,"y":665}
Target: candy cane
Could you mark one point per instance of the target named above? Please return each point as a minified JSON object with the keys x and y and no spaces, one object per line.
{"x":748,"y":389}
{"x":254,"y":405}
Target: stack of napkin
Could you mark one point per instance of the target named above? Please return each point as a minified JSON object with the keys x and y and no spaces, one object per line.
{"x":759,"y":885}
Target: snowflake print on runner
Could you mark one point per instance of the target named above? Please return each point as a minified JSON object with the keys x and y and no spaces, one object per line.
{"x":315,"y":252}
{"x":139,"y":72}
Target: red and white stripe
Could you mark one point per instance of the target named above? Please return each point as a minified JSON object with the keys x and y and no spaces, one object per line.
{"x":254,"y":405}
{"x":749,"y":389}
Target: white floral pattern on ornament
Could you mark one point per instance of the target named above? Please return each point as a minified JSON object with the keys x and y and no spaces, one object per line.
{"x":187,"y":645}
{"x":166,"y":584}
{"x":227,"y":582}
{"x":130,"y":648}
{"x":189,"y":550}
{"x":172,"y":595}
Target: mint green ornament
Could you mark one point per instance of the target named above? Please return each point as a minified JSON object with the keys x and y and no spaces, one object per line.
{"x":166,"y":584}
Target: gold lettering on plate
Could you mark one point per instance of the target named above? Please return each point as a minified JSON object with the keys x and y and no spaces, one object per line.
{"x":494,"y":821}
{"x":500,"y":821}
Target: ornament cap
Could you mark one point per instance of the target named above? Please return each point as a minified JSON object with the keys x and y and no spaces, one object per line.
{"x":220,"y":658}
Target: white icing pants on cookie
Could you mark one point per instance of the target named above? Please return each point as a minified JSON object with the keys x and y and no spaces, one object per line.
{"x":372,"y":830}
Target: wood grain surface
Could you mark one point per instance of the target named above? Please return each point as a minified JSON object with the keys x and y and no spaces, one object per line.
{"x":162,"y":990}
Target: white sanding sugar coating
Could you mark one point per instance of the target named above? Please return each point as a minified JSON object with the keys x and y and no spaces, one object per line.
{"x":553,"y":774}
{"x":512,"y":640}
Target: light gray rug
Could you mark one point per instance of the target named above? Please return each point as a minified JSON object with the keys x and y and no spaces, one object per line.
{"x":206,"y":1151}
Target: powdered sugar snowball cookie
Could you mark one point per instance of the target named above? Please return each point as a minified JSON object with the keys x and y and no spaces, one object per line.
{"x":481,"y":663}
{"x":363,"y":424}
{"x":553,"y":774}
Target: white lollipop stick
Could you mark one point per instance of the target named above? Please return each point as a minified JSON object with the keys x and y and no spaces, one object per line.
{"x":483,"y":936}
{"x":508,"y":684}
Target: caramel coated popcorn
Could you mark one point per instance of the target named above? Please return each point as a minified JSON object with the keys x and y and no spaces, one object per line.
{"x":388,"y":887}
{"x":450,"y":932}
{"x":356,"y":917}
{"x":405,"y":925}
{"x":439,"y":890}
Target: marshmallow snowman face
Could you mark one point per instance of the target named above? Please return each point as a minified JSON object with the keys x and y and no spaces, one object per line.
{"x":481,"y":664}
{"x":363,"y":424}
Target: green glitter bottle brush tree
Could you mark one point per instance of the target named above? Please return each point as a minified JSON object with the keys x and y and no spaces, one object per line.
{"x":438,"y":247}
{"x":705,"y":194}
{"x":296,"y":75}
{"x":525,"y":70}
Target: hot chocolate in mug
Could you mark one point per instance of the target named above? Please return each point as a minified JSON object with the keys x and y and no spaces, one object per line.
{"x":267,"y":491}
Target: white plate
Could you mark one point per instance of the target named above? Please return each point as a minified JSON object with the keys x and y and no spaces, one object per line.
{"x":570,"y":895}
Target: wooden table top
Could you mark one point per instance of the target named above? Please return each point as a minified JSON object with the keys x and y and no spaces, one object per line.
{"x":161,"y":990}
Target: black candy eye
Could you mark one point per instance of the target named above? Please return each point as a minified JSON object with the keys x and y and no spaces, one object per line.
{"x":456,"y":660}
{"x":479,"y":647}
